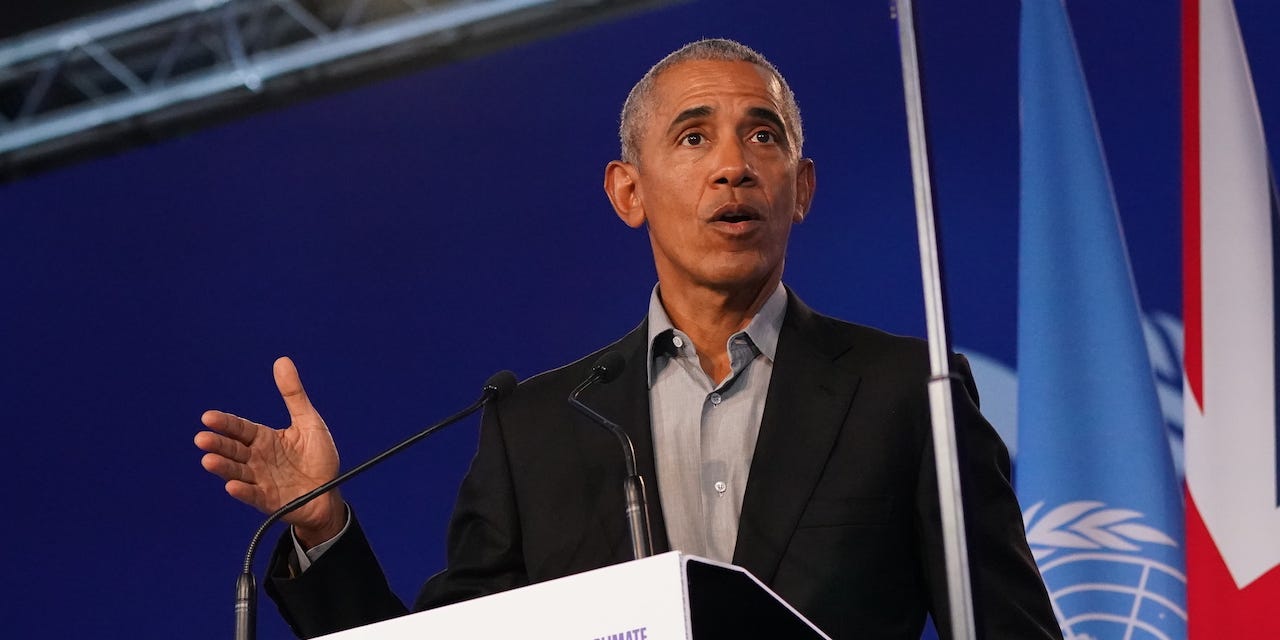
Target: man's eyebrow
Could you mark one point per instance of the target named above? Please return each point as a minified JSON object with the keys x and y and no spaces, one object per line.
{"x":768,"y":115}
{"x":692,"y":113}
{"x":703,"y":111}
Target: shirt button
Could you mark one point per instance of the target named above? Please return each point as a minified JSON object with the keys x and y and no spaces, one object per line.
{"x":677,"y":341}
{"x":715,"y":398}
{"x":721,"y":487}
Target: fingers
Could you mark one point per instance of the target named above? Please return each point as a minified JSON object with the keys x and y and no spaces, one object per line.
{"x":229,"y":460}
{"x":226,"y":469}
{"x":290,"y":386}
{"x":247,"y":493}
{"x":231,"y":426}
{"x":225,"y":456}
{"x":222,"y":446}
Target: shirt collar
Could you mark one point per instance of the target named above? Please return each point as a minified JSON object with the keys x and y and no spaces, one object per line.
{"x":763,"y":329}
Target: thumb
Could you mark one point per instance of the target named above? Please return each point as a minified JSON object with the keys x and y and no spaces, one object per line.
{"x":290,"y":386}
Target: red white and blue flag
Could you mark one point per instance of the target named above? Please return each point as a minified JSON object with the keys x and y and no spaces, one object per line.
{"x":1230,"y":244}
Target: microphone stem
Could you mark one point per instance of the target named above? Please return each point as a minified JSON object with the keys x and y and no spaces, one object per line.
{"x":246,"y":587}
{"x":302,"y":500}
{"x":246,"y":613}
{"x":628,"y":450}
{"x":633,"y":485}
{"x":637,"y":517}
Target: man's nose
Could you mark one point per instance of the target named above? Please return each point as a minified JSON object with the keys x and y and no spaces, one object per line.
{"x":733,"y":167}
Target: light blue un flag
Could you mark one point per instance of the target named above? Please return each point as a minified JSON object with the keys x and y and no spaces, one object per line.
{"x":1095,"y":476}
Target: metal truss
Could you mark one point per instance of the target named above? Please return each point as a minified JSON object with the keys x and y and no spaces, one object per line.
{"x":159,"y":67}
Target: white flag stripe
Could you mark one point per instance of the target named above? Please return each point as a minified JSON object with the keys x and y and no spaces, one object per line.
{"x":1230,"y":441}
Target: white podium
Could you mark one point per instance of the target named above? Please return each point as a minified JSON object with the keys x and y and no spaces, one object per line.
{"x":667,"y":597}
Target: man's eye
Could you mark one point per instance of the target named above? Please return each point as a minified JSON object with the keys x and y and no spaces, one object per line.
{"x":692,"y":139}
{"x":763,"y":136}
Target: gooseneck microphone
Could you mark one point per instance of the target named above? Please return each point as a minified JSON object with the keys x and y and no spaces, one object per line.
{"x":606,"y":370}
{"x":499,"y":385}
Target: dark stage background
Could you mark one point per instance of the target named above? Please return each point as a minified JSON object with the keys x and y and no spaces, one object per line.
{"x":405,"y":240}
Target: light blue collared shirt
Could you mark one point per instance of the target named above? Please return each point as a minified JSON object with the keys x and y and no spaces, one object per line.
{"x":704,"y":431}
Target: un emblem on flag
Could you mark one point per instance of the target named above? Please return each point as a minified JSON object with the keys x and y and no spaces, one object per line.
{"x":1104,"y":571}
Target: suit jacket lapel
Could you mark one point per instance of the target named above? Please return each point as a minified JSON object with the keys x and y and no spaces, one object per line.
{"x":808,"y":400}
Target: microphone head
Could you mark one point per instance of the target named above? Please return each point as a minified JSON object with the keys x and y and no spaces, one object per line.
{"x":609,"y":367}
{"x":500,"y":385}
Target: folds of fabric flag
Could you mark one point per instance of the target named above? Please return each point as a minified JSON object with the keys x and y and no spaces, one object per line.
{"x":1095,"y":474}
{"x":1229,"y":247}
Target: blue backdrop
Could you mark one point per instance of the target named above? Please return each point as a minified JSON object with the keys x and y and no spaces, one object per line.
{"x":405,"y":240}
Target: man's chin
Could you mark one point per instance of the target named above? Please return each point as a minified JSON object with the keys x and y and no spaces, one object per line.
{"x":742,"y":279}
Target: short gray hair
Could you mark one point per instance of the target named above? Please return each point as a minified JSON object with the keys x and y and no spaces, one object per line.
{"x":638,"y":104}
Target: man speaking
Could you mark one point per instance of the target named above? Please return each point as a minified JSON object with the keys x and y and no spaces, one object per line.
{"x":792,"y":444}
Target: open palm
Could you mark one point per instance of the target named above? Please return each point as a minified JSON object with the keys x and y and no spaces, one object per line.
{"x":266,"y":467}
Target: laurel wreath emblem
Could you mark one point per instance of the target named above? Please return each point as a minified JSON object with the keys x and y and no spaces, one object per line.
{"x":1088,"y":524}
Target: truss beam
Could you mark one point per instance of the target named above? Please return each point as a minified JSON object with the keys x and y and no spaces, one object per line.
{"x":165,"y":65}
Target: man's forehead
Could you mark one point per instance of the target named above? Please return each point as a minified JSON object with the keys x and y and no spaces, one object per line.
{"x":686,"y":82}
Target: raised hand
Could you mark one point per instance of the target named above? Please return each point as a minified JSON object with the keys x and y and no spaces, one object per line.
{"x":266,"y":468}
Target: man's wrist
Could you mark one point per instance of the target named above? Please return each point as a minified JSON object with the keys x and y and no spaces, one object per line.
{"x":310,"y":537}
{"x":303,"y":557}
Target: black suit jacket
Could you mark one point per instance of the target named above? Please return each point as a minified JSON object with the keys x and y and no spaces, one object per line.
{"x":840,"y":515}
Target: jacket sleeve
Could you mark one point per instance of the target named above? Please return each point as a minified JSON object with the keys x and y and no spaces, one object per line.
{"x":1009,"y":597}
{"x":343,"y":588}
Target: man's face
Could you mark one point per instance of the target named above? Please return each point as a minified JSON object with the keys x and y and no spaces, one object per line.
{"x":718,"y":181}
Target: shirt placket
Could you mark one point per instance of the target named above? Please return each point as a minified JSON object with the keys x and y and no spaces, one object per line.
{"x":720,"y":446}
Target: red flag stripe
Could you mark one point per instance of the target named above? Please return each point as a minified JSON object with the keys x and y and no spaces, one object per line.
{"x":1216,"y":609}
{"x":1191,"y":281}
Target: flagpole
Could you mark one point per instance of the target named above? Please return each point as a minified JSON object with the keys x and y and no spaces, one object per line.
{"x":941,"y":412}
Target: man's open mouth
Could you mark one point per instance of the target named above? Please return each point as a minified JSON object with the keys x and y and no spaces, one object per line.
{"x":735,"y":213}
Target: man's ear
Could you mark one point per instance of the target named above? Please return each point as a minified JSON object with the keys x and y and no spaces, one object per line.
{"x":623,"y":189}
{"x":806,"y":182}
